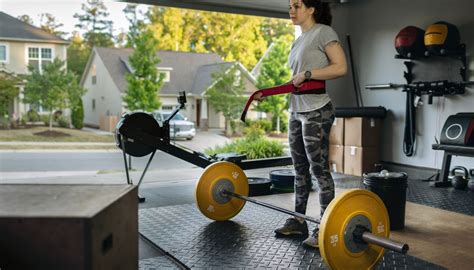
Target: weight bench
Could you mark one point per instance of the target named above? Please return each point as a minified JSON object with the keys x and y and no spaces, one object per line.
{"x":449,"y":150}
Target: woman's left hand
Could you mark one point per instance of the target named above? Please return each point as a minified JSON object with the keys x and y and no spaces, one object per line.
{"x":298,"y":79}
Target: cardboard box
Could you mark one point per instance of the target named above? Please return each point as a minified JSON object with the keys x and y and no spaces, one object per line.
{"x":359,"y":160}
{"x":336,"y":158}
{"x":68,"y":227}
{"x":362,"y":131}
{"x":336,"y":135}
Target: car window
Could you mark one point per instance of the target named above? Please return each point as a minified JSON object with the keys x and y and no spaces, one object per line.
{"x":176,"y":117}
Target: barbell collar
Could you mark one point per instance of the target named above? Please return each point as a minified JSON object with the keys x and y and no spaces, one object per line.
{"x":385,"y":243}
{"x":283,"y":210}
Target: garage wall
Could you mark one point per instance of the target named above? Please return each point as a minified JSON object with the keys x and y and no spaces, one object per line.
{"x":373,"y":25}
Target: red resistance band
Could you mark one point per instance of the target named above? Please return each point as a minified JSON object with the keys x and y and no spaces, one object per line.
{"x":285,"y":89}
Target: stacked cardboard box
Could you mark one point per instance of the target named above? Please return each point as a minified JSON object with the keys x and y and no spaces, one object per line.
{"x":336,"y":146}
{"x":361,"y":144}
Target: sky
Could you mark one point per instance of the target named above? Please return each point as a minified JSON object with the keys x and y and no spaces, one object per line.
{"x":63,"y":10}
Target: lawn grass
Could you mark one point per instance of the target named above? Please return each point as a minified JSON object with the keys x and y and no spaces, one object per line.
{"x":28,"y":135}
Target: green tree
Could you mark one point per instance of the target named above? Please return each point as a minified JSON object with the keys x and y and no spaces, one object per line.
{"x":77,"y":54}
{"x":54,"y":88}
{"x":77,"y":114}
{"x":144,"y":83}
{"x":121,"y":40}
{"x":8,"y":93}
{"x":135,"y":24}
{"x":233,"y":37}
{"x":94,"y":22}
{"x":176,"y":29}
{"x":226,"y":94}
{"x":49,"y":23}
{"x":26,"y":18}
{"x":274,"y":71}
{"x":277,"y":29}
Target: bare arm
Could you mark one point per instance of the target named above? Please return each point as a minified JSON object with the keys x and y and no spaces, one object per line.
{"x":337,"y":65}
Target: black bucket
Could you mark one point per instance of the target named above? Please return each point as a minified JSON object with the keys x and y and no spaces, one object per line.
{"x":391,"y":187}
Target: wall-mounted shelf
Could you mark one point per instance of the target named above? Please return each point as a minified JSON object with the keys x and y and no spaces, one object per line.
{"x":459,"y":54}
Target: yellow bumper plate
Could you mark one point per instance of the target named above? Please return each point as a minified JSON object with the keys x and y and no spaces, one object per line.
{"x":218,"y":176}
{"x":333,"y":226}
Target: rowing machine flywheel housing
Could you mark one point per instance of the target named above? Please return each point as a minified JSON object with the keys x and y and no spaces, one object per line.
{"x":129,"y":132}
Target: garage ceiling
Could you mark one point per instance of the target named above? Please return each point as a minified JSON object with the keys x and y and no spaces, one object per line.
{"x":266,"y":8}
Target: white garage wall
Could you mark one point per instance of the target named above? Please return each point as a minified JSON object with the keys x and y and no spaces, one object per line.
{"x":373,"y":25}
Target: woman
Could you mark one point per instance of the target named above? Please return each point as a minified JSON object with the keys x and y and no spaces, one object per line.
{"x":316,"y":55}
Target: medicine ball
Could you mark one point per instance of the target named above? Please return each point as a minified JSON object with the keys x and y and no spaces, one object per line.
{"x":441,"y":37}
{"x":409,"y":42}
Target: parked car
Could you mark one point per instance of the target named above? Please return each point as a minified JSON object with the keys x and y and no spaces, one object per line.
{"x":180,"y":127}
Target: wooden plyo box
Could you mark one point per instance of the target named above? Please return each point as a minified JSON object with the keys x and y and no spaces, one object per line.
{"x":68,"y":227}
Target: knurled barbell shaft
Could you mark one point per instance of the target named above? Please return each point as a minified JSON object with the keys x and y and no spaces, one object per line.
{"x":366,"y":236}
{"x":385,"y":243}
{"x":283,"y":210}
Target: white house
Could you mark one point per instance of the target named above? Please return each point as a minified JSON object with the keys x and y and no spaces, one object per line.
{"x":104,"y":79}
{"x":22,"y":44}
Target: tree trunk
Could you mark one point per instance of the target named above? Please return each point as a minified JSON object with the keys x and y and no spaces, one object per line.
{"x":278,"y":124}
{"x":51,"y":121}
{"x":228,"y":128}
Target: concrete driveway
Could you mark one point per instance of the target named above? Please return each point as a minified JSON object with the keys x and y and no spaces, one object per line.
{"x":204,"y":140}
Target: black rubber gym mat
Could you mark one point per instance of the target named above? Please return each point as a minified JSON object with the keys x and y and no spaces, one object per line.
{"x":420,"y":192}
{"x":157,"y":263}
{"x":245,"y":242}
{"x":451,"y":199}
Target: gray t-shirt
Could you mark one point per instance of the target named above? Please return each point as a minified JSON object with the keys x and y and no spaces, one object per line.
{"x":307,"y":53}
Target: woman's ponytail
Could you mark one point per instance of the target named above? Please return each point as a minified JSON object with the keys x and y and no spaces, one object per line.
{"x":322,"y":12}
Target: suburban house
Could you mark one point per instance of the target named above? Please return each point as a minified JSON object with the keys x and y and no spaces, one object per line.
{"x":22,"y":44}
{"x":104,"y":79}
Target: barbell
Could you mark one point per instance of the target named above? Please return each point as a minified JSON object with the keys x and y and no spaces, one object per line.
{"x":353,"y":231}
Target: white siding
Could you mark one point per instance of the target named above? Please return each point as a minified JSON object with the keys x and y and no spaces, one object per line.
{"x":107,"y":97}
{"x":18,"y":54}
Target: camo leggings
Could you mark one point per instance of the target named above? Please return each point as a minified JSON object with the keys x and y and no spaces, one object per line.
{"x":309,"y":145}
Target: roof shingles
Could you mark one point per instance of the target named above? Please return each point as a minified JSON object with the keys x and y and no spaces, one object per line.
{"x":190,"y":72}
{"x":14,"y":29}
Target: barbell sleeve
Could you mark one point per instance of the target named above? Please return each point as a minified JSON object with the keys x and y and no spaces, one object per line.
{"x":385,"y":243}
{"x":283,"y":210}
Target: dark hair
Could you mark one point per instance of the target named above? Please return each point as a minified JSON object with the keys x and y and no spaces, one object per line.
{"x":322,"y":13}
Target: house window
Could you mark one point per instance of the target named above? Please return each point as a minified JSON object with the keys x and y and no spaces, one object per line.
{"x":93,"y":104}
{"x":94,"y":74}
{"x":39,"y":57}
{"x":3,"y":53}
{"x":166,"y":75}
{"x":167,"y":107}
